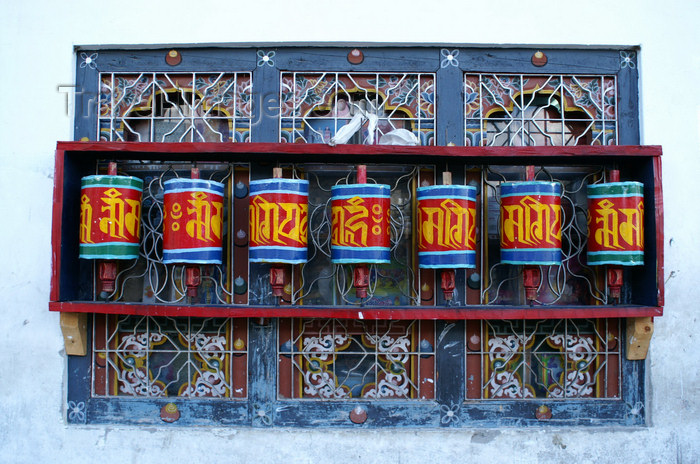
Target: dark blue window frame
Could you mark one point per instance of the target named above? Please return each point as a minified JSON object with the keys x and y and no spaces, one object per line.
{"x":262,"y":408}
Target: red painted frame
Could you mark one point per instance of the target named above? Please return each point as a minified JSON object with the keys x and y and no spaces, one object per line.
{"x":88,"y":151}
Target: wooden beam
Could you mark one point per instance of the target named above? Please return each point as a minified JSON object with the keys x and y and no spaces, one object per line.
{"x":74,"y":328}
{"x":353,"y":312}
{"x":639,"y":331}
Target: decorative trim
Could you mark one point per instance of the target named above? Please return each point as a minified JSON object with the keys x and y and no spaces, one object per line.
{"x":449,"y":58}
{"x":628,"y":59}
{"x":449,"y":414}
{"x":261,"y":416}
{"x":89,"y":61}
{"x":265,"y":58}
{"x":76,"y":411}
{"x":636,"y":410}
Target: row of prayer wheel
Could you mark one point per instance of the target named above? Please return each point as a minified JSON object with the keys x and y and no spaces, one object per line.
{"x":531,"y":221}
{"x":530,"y":224}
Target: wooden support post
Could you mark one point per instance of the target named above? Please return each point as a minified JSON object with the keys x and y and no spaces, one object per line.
{"x":446,"y":178}
{"x":639,"y":331}
{"x":74,"y":328}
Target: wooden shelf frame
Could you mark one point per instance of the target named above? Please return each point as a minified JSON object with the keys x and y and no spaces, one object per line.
{"x":367,"y":312}
{"x":70,"y":156}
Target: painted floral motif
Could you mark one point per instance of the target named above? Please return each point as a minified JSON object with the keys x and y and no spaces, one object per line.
{"x":207,"y":383}
{"x":266,"y":58}
{"x":427,"y":98}
{"x":172,"y":358}
{"x":505,"y":364}
{"x":627,"y":59}
{"x":318,"y":379}
{"x":449,"y":58}
{"x":76,"y":411}
{"x":449,"y":414}
{"x":471,"y":98}
{"x":135,"y":380}
{"x":544,"y":360}
{"x":352,"y":363}
{"x":634,"y":410}
{"x":576,"y":380}
{"x":261,"y":416}
{"x":210,"y":379}
{"x":500,"y":90}
{"x":89,"y":61}
{"x":394,"y":382}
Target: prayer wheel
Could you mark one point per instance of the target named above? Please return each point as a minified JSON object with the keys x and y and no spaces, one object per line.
{"x":360,"y":215}
{"x":278,"y":221}
{"x":193,"y":221}
{"x":110,"y":217}
{"x":616,"y":224}
{"x":530,"y":223}
{"x":446,"y":227}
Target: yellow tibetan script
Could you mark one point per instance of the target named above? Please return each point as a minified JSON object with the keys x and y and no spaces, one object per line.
{"x":85,"y":220}
{"x":120,"y":216}
{"x":613,"y":224}
{"x":279,"y":223}
{"x":448,"y":225}
{"x":349,"y":221}
{"x":208,"y":217}
{"x":531,"y":222}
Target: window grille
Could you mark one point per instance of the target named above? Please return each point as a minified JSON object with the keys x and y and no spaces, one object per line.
{"x":167,"y":357}
{"x":314,"y":106}
{"x":161,"y":357}
{"x":175,"y":107}
{"x":332,"y":359}
{"x":554,"y":359}
{"x":541,"y":110}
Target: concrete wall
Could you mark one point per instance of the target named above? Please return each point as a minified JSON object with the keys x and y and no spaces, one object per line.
{"x":36,"y":56}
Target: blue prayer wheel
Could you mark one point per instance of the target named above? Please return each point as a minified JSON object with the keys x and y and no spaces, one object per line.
{"x":278,"y":221}
{"x":446,"y":227}
{"x":530,"y":223}
{"x":193,"y":221}
{"x":360,"y":224}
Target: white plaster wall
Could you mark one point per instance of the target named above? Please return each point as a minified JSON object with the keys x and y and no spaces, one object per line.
{"x":36,"y":55}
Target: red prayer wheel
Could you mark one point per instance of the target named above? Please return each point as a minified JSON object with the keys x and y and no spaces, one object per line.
{"x":446,"y":226}
{"x":616,"y":224}
{"x":360,"y":224}
{"x":110,"y":217}
{"x":193,"y":221}
{"x":279,"y":221}
{"x":530,"y":223}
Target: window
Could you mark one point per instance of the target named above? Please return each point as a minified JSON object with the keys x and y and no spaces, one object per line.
{"x":340,"y":369}
{"x":175,"y":107}
{"x":315,"y":105}
{"x":540,"y":110}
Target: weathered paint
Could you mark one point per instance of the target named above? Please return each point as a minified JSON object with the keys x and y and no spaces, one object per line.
{"x":263,"y":409}
{"x":32,"y":398}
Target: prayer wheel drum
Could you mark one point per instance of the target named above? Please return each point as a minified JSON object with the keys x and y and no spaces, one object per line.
{"x":278,"y":221}
{"x":192,"y":221}
{"x":530,"y":223}
{"x":360,"y":215}
{"x":110,"y":217}
{"x":616,"y":224}
{"x":446,"y":227}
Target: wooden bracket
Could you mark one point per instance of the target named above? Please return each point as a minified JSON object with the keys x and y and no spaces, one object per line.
{"x":74,"y":328}
{"x":639,"y":331}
